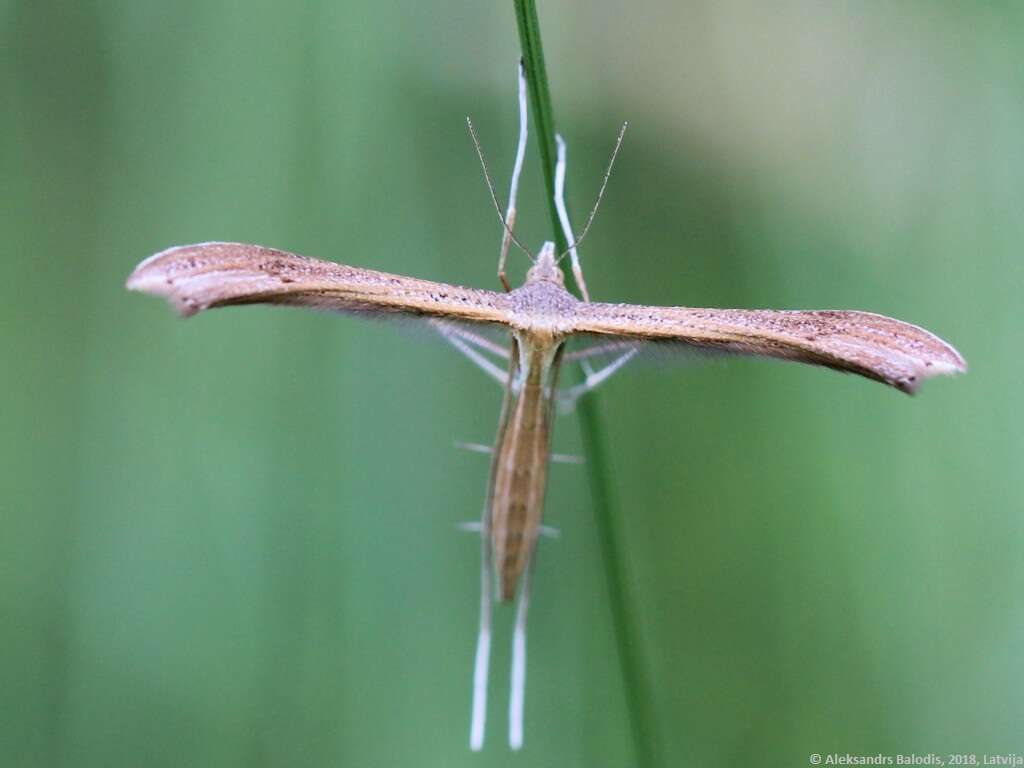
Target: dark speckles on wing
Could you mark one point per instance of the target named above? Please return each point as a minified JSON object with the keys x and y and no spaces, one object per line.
{"x":874,"y":346}
{"x":195,"y":277}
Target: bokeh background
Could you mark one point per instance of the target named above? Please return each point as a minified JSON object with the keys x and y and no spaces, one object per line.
{"x":232,"y":541}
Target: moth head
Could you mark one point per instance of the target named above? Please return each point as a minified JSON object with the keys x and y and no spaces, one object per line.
{"x":545,"y":267}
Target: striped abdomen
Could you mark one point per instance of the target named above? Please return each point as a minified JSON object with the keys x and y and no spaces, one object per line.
{"x":521,"y":468}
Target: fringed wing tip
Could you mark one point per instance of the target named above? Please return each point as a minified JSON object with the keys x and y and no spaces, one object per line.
{"x":945,"y":362}
{"x":156,"y":285}
{"x":154,"y":276}
{"x":875,"y":346}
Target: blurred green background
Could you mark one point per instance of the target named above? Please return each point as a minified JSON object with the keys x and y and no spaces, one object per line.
{"x":232,"y":541}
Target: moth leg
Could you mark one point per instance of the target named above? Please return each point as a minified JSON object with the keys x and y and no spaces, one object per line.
{"x":570,"y":238}
{"x":556,"y":458}
{"x":498,"y":374}
{"x":474,"y":447}
{"x":477,"y":340}
{"x":513,"y":191}
{"x":483,"y":640}
{"x":550,"y":532}
{"x":464,"y":340}
{"x":518,"y":683}
{"x":568,"y":397}
{"x":597,"y":349}
{"x":566,"y":458}
{"x":563,"y":217}
{"x":474,"y":526}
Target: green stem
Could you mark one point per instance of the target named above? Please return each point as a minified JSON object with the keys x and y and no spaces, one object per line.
{"x":540,"y":105}
{"x":623,"y":621}
{"x":591,"y":430}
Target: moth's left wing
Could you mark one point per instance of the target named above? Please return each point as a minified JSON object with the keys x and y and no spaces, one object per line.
{"x":197,"y":277}
{"x":890,"y":351}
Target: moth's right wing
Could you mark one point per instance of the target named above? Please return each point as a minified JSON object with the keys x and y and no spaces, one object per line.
{"x":890,"y":351}
{"x":197,"y":277}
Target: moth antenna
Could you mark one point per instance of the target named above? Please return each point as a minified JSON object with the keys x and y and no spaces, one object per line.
{"x":490,"y":188}
{"x":600,"y":194}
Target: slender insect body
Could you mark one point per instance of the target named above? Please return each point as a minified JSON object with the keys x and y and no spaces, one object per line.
{"x":522,"y":451}
{"x":541,"y":316}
